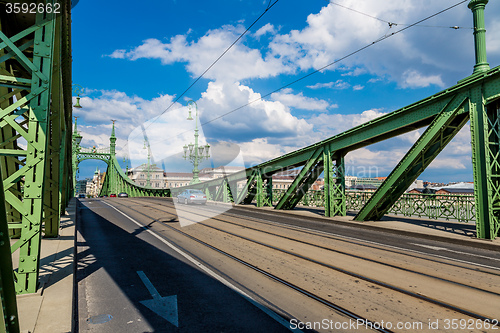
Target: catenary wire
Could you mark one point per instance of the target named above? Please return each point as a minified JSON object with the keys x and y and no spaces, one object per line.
{"x":324,"y":67}
{"x":269,"y":6}
{"x":392,"y":24}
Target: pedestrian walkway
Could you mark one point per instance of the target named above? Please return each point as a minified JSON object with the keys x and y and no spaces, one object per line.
{"x":50,"y":310}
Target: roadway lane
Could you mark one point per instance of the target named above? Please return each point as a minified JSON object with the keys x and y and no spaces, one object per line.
{"x":377,"y":280}
{"x":482,"y":253}
{"x":311,"y":270}
{"x":112,"y":253}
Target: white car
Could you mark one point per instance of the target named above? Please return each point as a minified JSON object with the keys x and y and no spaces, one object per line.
{"x":192,"y":196}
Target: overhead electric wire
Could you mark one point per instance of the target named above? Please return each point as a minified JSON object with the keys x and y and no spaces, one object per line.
{"x":391,"y":24}
{"x":269,"y":6}
{"x":326,"y":66}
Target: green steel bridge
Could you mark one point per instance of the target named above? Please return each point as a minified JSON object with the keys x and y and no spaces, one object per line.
{"x":40,"y":151}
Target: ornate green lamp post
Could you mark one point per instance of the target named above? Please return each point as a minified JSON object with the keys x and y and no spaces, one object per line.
{"x":77,"y":138}
{"x":78,"y":89}
{"x":196,"y":153}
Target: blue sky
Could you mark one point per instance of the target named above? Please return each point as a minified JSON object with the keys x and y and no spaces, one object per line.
{"x":135,"y":58}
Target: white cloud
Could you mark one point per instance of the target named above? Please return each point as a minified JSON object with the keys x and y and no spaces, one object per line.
{"x":417,"y":57}
{"x":118,"y":54}
{"x":300,"y":101}
{"x":358,"y":87}
{"x":241,"y":62}
{"x":268,"y":28}
{"x":261,"y":117}
{"x":356,"y":72}
{"x":447,"y":163}
{"x":339,"y":84}
{"x":321,"y":85}
{"x":414,"y":79}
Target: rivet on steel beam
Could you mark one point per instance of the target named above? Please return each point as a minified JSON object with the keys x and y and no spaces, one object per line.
{"x":21,"y":260}
{"x":21,"y":270}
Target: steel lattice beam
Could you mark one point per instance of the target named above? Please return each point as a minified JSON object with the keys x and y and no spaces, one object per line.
{"x":435,"y":138}
{"x":35,"y":90}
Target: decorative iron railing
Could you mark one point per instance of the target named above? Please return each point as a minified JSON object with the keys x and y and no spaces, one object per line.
{"x":94,"y":150}
{"x":459,"y":208}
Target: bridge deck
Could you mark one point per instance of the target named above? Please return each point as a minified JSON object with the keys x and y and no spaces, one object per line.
{"x":427,"y":231}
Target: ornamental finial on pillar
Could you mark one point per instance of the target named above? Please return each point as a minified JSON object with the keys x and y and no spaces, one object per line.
{"x":112,"y":139}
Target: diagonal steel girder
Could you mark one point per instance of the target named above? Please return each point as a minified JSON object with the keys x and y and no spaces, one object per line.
{"x":404,"y":120}
{"x":35,"y":105}
{"x":117,"y":181}
{"x":311,"y":170}
{"x":435,"y":138}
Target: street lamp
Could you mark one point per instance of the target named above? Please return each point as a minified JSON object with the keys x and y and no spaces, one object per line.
{"x":193,"y":151}
{"x":77,"y":139}
{"x":78,"y":89}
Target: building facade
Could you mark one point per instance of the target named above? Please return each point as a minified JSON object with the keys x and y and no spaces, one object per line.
{"x":141,"y":173}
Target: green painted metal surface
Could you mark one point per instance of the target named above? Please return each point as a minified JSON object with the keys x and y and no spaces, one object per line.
{"x":475,"y":97}
{"x":115,"y":180}
{"x":35,"y":89}
{"x":9,"y":320}
{"x":435,"y":138}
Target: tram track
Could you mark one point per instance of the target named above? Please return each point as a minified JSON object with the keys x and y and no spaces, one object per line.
{"x":311,"y":260}
{"x":448,"y":261}
{"x":342,"y":311}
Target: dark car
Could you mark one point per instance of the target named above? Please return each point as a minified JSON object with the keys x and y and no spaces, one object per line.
{"x":122,"y":195}
{"x":192,"y":196}
{"x":81,"y":195}
{"x":112,"y":195}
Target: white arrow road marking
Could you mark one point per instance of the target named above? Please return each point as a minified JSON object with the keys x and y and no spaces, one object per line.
{"x":207,"y":270}
{"x":165,"y":307}
{"x":437,"y":248}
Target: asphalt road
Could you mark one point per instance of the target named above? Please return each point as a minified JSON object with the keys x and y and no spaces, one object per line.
{"x":139,"y":258}
{"x":112,"y":250}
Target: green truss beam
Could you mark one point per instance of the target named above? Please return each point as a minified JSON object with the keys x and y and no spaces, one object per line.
{"x":435,"y":138}
{"x":482,"y":88}
{"x":302,"y":182}
{"x":9,"y":321}
{"x":334,"y":187}
{"x":35,"y":104}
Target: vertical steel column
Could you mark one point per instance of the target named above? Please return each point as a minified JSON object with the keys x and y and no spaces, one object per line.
{"x":8,"y":308}
{"x":37,"y":137}
{"x":52,"y":196}
{"x":334,"y":187}
{"x":329,"y":182}
{"x":269,"y":191}
{"x":259,"y":187}
{"x":477,"y":7}
{"x":484,"y":139}
{"x":339,"y":198}
{"x":485,"y":162}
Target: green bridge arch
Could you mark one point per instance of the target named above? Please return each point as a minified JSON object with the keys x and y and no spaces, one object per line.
{"x":115,"y":180}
